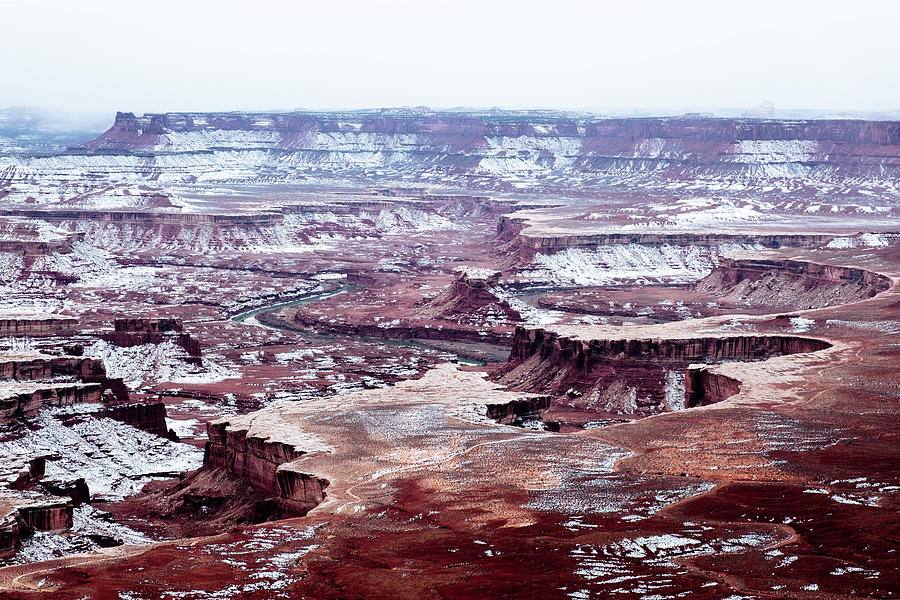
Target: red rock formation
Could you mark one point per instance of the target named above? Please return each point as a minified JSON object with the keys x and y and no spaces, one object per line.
{"x":138,"y":331}
{"x":41,"y":247}
{"x":548,"y":244}
{"x":259,"y":461}
{"x":791,"y":283}
{"x":30,"y":366}
{"x":32,"y":508}
{"x":701,"y":387}
{"x":159,"y":324}
{"x":518,"y":410}
{"x":149,"y":416}
{"x":544,"y":361}
{"x":32,"y":387}
{"x":470,"y":293}
{"x":48,"y":517}
{"x":26,"y":399}
{"x":150,"y":217}
{"x":457,"y":142}
{"x":37,"y":326}
{"x":76,"y":489}
{"x":125,"y":133}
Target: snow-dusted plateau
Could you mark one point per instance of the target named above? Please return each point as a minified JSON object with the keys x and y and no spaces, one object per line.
{"x":418,"y":354}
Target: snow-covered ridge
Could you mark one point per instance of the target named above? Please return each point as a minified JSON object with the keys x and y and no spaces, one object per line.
{"x":625,"y":263}
{"x":160,"y":160}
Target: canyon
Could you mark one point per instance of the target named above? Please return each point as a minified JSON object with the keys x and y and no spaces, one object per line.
{"x":407,"y":353}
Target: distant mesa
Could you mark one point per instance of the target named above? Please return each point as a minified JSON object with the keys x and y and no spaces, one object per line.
{"x":763,"y":110}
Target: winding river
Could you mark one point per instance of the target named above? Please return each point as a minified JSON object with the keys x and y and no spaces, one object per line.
{"x":249,"y":318}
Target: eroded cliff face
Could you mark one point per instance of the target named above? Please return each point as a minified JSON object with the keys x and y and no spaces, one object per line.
{"x":703,"y":387}
{"x":27,"y":504}
{"x":264,"y":464}
{"x":138,"y":331}
{"x":470,"y":294}
{"x":525,"y":242}
{"x":34,"y":380}
{"x":26,"y":399}
{"x":37,"y":326}
{"x":631,"y":376}
{"x":518,"y":411}
{"x":791,"y":283}
{"x":478,"y":141}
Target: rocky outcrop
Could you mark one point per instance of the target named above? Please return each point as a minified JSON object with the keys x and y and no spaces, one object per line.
{"x":26,"y":247}
{"x":703,"y":387}
{"x":27,"y":503}
{"x":26,"y":399}
{"x":34,"y":380}
{"x":526,"y":242}
{"x":460,"y":142}
{"x":791,"y":283}
{"x":172,"y":217}
{"x":558,"y":349}
{"x":158,"y":324}
{"x":36,"y":366}
{"x":49,"y":516}
{"x":638,"y":370}
{"x":469,"y":294}
{"x":149,"y":416}
{"x":548,"y":244}
{"x":519,"y":410}
{"x":126,"y":132}
{"x":36,"y":325}
{"x":138,"y":331}
{"x":263,"y":463}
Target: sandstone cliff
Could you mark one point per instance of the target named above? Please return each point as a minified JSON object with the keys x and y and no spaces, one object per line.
{"x":629,"y":375}
{"x":263,"y":463}
{"x":463,"y":143}
{"x":791,"y":283}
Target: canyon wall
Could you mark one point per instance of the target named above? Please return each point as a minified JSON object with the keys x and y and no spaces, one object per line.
{"x":627,"y":375}
{"x":703,"y":387}
{"x":473,"y":142}
{"x":149,"y":416}
{"x":26,"y":504}
{"x":37,"y":326}
{"x":469,"y":294}
{"x":530,"y":242}
{"x":35,"y":380}
{"x":264,"y":464}
{"x":791,"y":283}
{"x":141,"y":330}
{"x":512,"y":412}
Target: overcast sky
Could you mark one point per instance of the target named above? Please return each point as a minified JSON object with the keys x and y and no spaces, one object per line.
{"x":156,"y":56}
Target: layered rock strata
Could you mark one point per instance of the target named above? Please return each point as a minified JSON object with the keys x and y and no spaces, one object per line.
{"x":35,"y":366}
{"x":791,"y":283}
{"x":470,"y":293}
{"x":632,"y":375}
{"x":703,"y":387}
{"x":263,"y":463}
{"x":516,"y":411}
{"x":138,"y":331}
{"x":36,"y":325}
{"x":530,"y":242}
{"x":27,"y":503}
{"x":679,"y":146}
{"x":31,"y":380}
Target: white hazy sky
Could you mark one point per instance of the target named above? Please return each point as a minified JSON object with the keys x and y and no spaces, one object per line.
{"x":160,"y":56}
